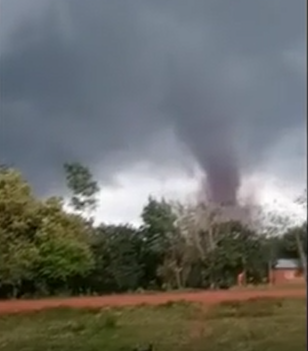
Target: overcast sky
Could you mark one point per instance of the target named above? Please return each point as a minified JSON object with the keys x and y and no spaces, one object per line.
{"x":170,"y":85}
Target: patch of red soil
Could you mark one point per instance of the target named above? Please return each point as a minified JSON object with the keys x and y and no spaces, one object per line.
{"x":207,"y":297}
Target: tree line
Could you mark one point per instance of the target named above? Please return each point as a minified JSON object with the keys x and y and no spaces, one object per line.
{"x":46,"y":250}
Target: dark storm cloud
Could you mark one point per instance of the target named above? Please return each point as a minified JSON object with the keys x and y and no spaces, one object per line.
{"x":88,"y":80}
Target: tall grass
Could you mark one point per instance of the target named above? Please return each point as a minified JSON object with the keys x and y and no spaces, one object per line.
{"x":254,"y":325}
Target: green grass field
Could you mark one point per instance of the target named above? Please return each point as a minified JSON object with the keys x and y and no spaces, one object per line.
{"x":259,"y":324}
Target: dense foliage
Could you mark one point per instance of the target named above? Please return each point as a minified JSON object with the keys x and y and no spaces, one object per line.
{"x":45,"y":250}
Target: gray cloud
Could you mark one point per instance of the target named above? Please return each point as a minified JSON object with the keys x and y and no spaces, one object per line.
{"x":88,"y":80}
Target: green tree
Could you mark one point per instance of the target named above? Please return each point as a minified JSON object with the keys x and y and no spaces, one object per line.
{"x":83,"y":187}
{"x":62,"y":244}
{"x":238,"y":249}
{"x":167,"y":248}
{"x":19,"y":220}
{"x":158,"y":226}
{"x":158,"y":217}
{"x":287,"y":246}
{"x":39,"y":241}
{"x":118,"y":264}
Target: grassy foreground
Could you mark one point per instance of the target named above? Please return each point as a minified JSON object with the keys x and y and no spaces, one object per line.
{"x":259,"y":324}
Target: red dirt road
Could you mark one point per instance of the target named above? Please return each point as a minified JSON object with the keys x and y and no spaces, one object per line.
{"x":19,"y":306}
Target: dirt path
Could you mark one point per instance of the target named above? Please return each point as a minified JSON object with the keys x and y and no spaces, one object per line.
{"x":17,"y":306}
